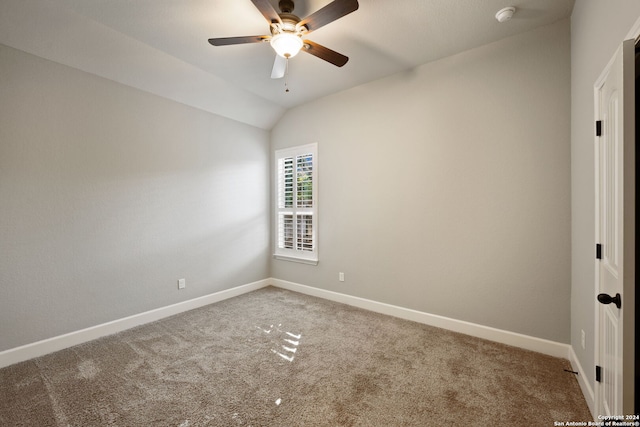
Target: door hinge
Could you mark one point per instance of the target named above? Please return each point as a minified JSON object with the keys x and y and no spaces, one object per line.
{"x":598,"y":251}
{"x":598,"y":127}
{"x":598,"y":374}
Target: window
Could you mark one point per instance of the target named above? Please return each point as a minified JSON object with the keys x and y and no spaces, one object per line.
{"x":296,"y":204}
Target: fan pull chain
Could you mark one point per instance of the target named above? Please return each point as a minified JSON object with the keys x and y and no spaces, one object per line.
{"x":286,"y":75}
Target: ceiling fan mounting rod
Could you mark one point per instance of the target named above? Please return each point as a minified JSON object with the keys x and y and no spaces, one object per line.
{"x":286,"y":6}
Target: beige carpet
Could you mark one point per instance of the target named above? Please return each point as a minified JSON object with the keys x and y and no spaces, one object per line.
{"x":278,"y":358}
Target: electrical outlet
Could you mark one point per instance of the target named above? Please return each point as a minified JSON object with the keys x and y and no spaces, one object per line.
{"x":583,"y":339}
{"x":182,"y":283}
{"x":341,"y":276}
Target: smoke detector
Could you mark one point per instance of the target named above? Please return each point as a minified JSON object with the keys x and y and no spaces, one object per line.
{"x":505,"y":14}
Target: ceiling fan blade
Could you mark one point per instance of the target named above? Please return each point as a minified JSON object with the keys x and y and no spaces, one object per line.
{"x":267,"y":10}
{"x":224,"y":41}
{"x":334,"y":10}
{"x":279,"y":67}
{"x":325,"y":53}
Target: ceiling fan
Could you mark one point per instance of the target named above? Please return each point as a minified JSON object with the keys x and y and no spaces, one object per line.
{"x":288,"y":32}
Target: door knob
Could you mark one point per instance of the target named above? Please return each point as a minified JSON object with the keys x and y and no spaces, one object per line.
{"x":608,"y":299}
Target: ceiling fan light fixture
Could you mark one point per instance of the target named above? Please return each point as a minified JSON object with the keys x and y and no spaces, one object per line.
{"x":286,"y":45}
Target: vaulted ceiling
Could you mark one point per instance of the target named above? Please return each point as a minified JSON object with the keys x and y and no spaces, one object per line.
{"x":160,"y":46}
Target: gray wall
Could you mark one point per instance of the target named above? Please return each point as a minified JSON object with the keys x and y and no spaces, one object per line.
{"x":109,"y":195}
{"x":597,"y":29}
{"x":446,"y":189}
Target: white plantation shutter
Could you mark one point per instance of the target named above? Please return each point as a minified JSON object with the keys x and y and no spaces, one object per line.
{"x":296,"y":204}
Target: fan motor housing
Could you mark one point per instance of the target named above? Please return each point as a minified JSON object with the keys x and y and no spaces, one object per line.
{"x":289,"y":24}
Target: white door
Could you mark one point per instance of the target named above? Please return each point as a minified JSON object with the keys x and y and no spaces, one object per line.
{"x":615,"y":178}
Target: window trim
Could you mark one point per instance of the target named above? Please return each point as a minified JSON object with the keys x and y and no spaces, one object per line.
{"x":293,"y":254}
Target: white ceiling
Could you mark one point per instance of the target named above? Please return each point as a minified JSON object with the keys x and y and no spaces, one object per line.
{"x":160,"y":46}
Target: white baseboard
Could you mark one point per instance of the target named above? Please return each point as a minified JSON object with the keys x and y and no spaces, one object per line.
{"x":587,"y":391}
{"x":539,"y":345}
{"x":40,"y":348}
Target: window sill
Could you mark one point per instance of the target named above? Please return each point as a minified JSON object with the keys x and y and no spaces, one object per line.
{"x":295,"y":259}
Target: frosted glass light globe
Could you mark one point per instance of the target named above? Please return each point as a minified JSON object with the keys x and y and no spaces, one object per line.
{"x":286,"y":45}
